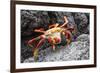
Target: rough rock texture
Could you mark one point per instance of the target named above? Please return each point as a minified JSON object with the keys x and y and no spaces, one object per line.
{"x":26,"y":51}
{"x":78,"y":50}
{"x":31,"y":19}
{"x":82,"y":21}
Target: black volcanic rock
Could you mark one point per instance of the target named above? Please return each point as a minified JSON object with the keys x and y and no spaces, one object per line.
{"x":82,"y":21}
{"x":32,"y":19}
{"x":78,"y":50}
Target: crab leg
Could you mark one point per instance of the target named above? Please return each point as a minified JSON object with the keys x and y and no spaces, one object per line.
{"x":56,"y":25}
{"x":34,"y":39}
{"x":66,"y":21}
{"x":52,"y":41}
{"x":53,"y":47}
{"x":35,"y":51}
{"x":50,"y":26}
{"x":39,"y":31}
{"x":68,"y":36}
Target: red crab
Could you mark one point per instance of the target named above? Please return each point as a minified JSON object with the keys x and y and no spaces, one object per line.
{"x":53,"y":35}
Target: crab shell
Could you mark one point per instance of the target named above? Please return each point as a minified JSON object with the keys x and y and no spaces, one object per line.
{"x":54,"y":35}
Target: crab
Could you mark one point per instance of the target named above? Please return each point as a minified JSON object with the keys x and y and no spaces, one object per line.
{"x":53,"y":35}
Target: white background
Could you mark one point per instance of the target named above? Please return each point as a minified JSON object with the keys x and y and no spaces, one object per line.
{"x":5,"y":36}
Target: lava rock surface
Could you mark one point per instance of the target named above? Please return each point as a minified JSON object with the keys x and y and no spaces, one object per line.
{"x":32,"y":19}
{"x":78,"y":50}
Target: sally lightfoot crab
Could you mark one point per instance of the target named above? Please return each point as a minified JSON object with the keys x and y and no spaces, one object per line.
{"x":53,"y":36}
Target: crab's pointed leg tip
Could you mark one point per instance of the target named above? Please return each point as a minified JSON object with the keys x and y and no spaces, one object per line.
{"x":54,"y":49}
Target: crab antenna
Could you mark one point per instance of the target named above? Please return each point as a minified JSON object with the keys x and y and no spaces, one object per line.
{"x":66,"y":21}
{"x":36,"y":30}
